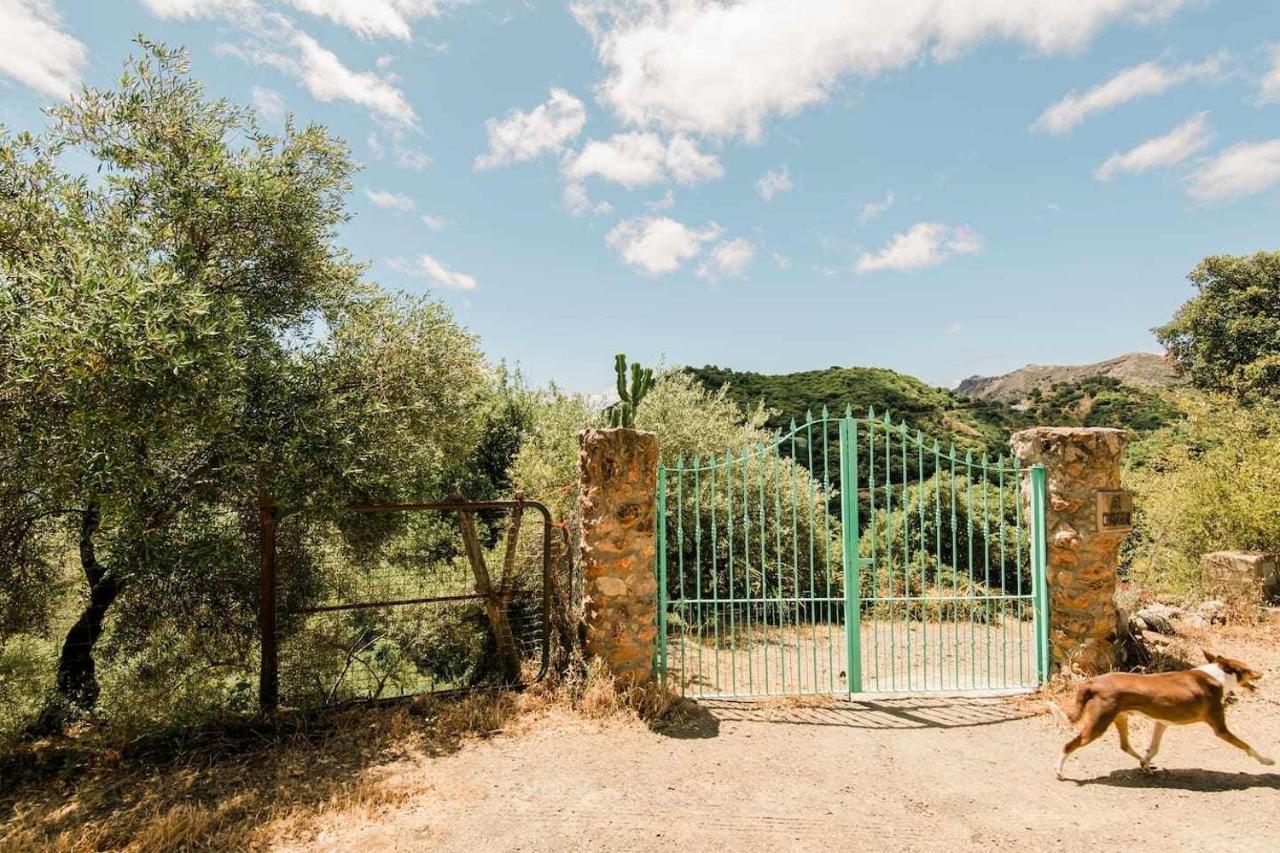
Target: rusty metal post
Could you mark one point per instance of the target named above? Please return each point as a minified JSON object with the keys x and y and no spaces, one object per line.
{"x":268,"y":676}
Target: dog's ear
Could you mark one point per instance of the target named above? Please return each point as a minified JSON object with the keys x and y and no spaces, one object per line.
{"x":1209,"y":656}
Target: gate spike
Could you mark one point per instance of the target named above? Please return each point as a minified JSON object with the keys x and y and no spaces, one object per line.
{"x":825,"y":414}
{"x":793,"y":424}
{"x":871,"y":413}
{"x":808,"y":416}
{"x":848,"y":410}
{"x":680,"y":462}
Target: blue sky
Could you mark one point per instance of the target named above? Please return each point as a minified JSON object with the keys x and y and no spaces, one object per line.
{"x":943,"y":187}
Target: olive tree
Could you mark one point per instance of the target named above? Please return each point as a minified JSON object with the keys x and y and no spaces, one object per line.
{"x":179,"y":329}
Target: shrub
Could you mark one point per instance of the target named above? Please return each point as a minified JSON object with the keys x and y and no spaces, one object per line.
{"x":1208,"y":483}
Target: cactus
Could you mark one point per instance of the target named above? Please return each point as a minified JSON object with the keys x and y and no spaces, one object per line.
{"x":623,"y":412}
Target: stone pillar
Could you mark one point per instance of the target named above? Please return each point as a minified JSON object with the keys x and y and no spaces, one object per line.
{"x":618,"y":480}
{"x":1083,"y":540}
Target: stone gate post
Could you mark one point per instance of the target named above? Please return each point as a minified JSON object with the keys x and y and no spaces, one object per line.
{"x":618,"y":478}
{"x":1088,"y":516}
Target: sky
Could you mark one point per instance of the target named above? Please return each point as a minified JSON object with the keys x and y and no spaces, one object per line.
{"x":942,"y":187}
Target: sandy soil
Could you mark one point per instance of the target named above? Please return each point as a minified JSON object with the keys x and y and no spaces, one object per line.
{"x":892,"y":774}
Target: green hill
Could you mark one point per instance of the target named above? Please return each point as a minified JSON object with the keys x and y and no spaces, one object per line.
{"x":977,"y":424}
{"x":980,"y":424}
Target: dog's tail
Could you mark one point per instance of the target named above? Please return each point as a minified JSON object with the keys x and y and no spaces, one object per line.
{"x":1068,"y":718}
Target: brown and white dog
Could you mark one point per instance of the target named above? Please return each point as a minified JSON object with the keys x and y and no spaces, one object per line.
{"x":1177,"y":698}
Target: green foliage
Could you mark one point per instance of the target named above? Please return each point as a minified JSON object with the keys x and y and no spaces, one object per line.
{"x":1208,"y":483}
{"x":623,"y":412}
{"x":950,"y":529}
{"x":978,"y":425}
{"x":1227,"y":338}
{"x":173,"y":335}
{"x":1099,"y":401}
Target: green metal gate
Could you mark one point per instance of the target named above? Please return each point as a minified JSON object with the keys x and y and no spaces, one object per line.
{"x":850,"y":555}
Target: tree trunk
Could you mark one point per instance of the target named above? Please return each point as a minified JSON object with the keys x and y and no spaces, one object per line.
{"x":77,"y":682}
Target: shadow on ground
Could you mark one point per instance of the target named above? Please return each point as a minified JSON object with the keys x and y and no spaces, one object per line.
{"x":1187,"y":780}
{"x":219,"y":787}
{"x":904,"y":713}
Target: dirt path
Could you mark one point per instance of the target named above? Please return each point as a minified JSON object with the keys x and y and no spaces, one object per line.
{"x":910,"y":774}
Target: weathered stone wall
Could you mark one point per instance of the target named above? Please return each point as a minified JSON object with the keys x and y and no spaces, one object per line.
{"x":1081,"y":572}
{"x":1241,"y":576}
{"x":618,"y":478}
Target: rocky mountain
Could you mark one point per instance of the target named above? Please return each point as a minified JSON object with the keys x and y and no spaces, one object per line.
{"x":1138,"y":369}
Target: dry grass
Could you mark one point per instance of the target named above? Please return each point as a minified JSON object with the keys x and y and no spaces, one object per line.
{"x":245,"y":787}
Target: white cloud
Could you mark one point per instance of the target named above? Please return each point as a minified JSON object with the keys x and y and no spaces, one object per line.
{"x":36,"y":50}
{"x":403,"y":154}
{"x":268,"y":102}
{"x":688,"y":165}
{"x":199,"y":8}
{"x":274,"y":41}
{"x":782,"y":261}
{"x":925,"y":244}
{"x":1243,"y":169}
{"x":774,"y":181}
{"x":640,"y":159}
{"x":954,"y":328}
{"x":1139,"y":81}
{"x":425,"y":266}
{"x":667,"y":201}
{"x":577,"y":202}
{"x":1168,"y":150}
{"x":522,"y":136}
{"x":729,"y":259}
{"x":873,"y":209}
{"x":1269,"y":85}
{"x":658,"y":245}
{"x":434,"y":222}
{"x":390,"y":200}
{"x":724,"y":69}
{"x":374,"y":18}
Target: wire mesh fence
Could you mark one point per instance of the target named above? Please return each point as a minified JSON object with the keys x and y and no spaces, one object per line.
{"x":399,"y":609}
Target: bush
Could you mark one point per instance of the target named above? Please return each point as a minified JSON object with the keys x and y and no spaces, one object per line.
{"x":1208,"y":483}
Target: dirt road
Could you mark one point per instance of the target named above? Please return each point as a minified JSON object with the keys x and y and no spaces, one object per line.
{"x":908,"y":774}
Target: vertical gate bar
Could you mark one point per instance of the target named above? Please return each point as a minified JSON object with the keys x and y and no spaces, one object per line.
{"x":764,"y":570}
{"x":684,"y":616}
{"x":852,"y":562}
{"x":795,"y":559}
{"x":809,"y":499}
{"x":937,"y":573}
{"x":746,"y":561}
{"x":1004,"y":623}
{"x":924,"y":559}
{"x":1039,"y":559}
{"x":973,"y":646}
{"x":697,"y":566}
{"x":875,"y":556}
{"x":1017,"y":548}
{"x":778,"y":562}
{"x":715,"y":574}
{"x":888,"y":544}
{"x":955,"y":572}
{"x":826,"y":543}
{"x":906,"y":555}
{"x":662,"y":572}
{"x":269,"y":672}
{"x":733,"y":595}
{"x":986,"y":558}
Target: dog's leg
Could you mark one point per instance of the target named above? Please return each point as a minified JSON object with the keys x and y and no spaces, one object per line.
{"x":1218,"y":721}
{"x":1092,"y":726}
{"x":1122,"y":726}
{"x":1154,"y":747}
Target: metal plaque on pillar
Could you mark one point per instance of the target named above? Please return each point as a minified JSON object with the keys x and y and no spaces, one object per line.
{"x":1115,"y":510}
